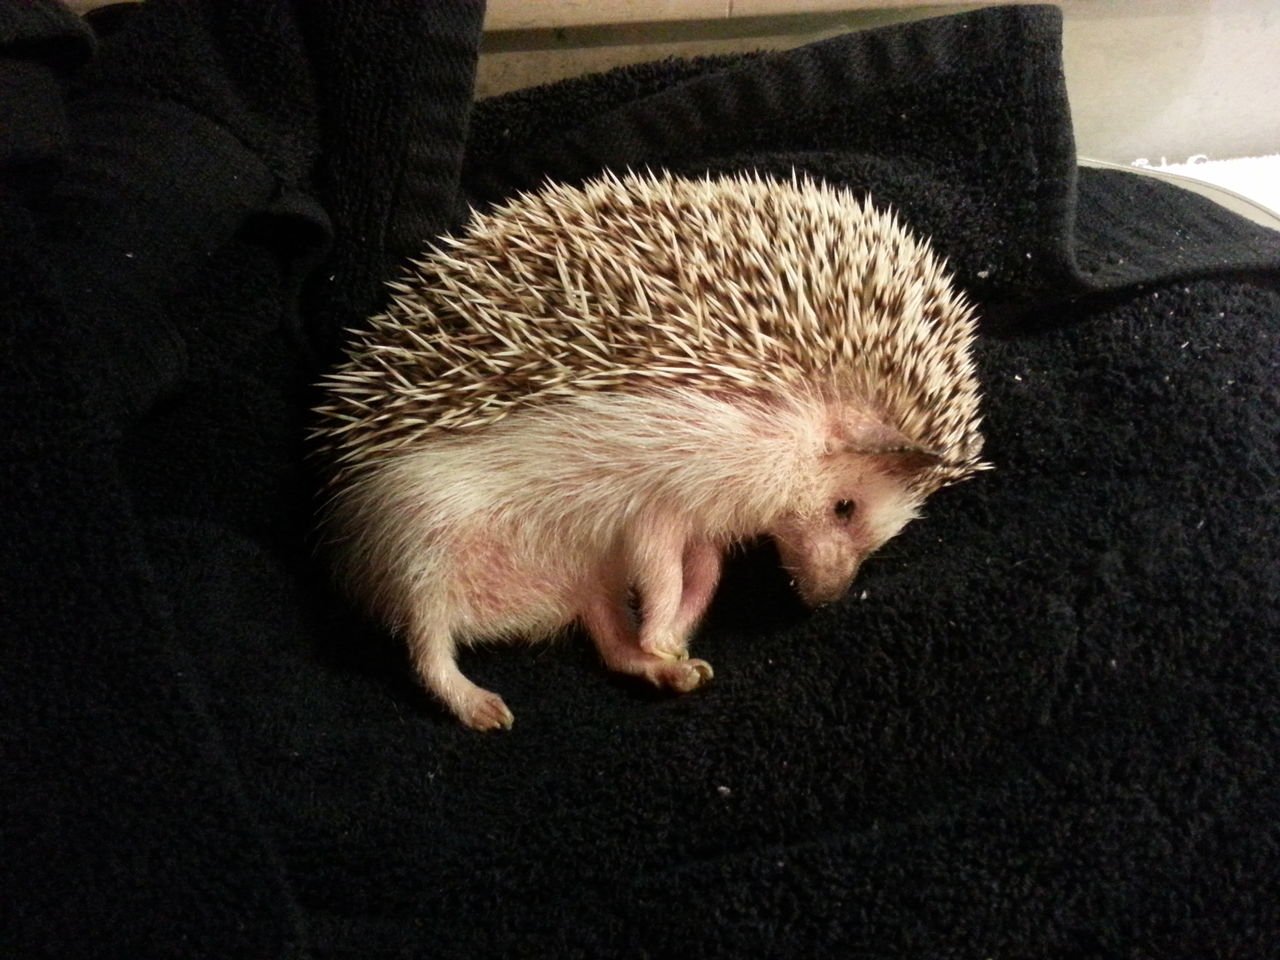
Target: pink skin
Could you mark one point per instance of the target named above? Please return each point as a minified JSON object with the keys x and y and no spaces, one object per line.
{"x":675,"y":578}
{"x":859,"y":501}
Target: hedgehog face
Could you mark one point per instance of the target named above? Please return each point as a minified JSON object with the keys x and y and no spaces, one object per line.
{"x":855,"y":508}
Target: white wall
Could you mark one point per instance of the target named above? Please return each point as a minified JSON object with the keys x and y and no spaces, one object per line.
{"x":1147,"y":78}
{"x":1172,"y":79}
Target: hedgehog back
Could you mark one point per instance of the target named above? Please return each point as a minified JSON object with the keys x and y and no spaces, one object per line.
{"x":628,"y":284}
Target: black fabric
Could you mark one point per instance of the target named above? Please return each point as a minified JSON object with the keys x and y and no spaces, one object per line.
{"x":1044,"y":723}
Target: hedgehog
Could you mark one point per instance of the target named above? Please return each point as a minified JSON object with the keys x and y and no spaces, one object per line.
{"x":573,"y":408}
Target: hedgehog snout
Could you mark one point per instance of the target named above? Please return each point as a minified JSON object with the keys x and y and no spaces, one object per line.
{"x":821,"y":567}
{"x":817,"y":595}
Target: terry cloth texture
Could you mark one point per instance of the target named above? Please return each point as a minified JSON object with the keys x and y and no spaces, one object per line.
{"x":1044,"y":723}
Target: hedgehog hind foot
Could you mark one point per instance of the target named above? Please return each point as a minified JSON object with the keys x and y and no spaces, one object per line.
{"x":484,"y":710}
{"x":477,"y":708}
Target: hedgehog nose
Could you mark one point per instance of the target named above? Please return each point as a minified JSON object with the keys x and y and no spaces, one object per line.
{"x":828,"y":595}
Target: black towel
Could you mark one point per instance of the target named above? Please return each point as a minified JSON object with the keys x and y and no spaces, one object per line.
{"x":1044,"y":722}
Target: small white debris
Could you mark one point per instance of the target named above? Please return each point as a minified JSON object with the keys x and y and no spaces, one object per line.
{"x":723,"y":791}
{"x":1184,"y":344}
{"x":983,"y":274}
{"x":1018,"y":377}
{"x":864,"y":595}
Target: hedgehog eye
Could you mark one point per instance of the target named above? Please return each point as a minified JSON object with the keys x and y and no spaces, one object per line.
{"x":844,"y":509}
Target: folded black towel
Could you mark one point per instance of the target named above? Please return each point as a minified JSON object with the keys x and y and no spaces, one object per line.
{"x":1044,"y":723}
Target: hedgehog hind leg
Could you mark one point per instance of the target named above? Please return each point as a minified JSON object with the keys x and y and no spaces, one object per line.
{"x":435,"y":659}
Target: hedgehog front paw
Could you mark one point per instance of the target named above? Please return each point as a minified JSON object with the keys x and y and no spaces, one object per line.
{"x":485,"y":710}
{"x":665,"y":645}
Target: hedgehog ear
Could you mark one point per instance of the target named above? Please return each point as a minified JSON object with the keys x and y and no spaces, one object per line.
{"x":906,"y":461}
{"x":898,"y":452}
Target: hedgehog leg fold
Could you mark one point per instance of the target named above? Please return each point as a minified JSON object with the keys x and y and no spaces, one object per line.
{"x":434,"y":656}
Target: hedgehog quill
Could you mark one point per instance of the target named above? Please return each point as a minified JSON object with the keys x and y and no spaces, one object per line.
{"x":593,"y":391}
